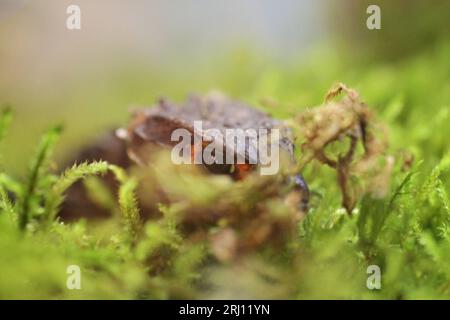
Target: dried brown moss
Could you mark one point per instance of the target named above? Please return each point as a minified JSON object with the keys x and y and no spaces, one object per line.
{"x":358,"y":144}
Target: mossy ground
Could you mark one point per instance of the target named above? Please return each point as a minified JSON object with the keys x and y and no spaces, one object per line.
{"x":407,"y":233}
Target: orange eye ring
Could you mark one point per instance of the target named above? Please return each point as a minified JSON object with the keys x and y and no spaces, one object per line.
{"x":241,"y":171}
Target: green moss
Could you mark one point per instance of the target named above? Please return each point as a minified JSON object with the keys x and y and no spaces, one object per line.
{"x":407,"y":233}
